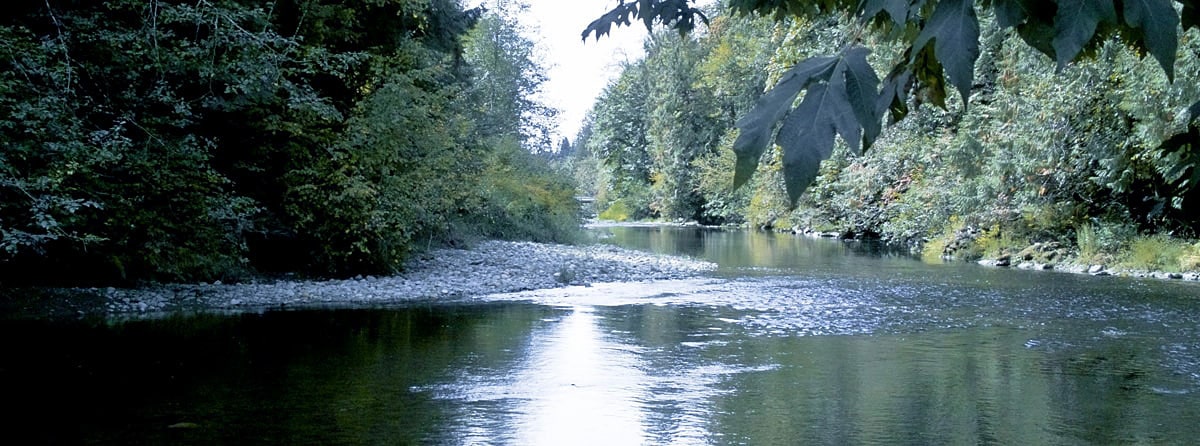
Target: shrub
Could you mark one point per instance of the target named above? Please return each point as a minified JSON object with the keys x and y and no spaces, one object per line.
{"x":1156,"y":253}
{"x":617,"y":211}
{"x":524,"y":198}
{"x":1088,"y":242}
{"x":1190,"y":261}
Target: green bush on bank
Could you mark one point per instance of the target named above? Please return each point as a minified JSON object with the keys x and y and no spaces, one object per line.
{"x":524,"y":198}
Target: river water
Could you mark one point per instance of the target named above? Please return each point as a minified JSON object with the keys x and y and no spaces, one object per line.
{"x":791,"y":341}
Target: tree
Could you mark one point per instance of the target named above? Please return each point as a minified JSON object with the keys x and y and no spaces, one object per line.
{"x":508,"y":80}
{"x":844,"y":96}
{"x":617,"y":135}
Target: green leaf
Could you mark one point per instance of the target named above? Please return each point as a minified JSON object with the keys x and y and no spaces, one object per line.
{"x":1183,"y":147}
{"x":808,"y":131}
{"x":862,"y":89}
{"x":894,"y":96}
{"x":617,"y":16}
{"x":928,"y":72}
{"x":1010,"y":13}
{"x":644,"y":7}
{"x":756,"y":126}
{"x":896,"y":9}
{"x":1075,"y":25}
{"x":1039,"y":35}
{"x":1157,"y":21}
{"x":954,"y":28}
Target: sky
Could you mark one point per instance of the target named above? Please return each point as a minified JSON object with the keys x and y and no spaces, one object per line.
{"x":576,"y":71}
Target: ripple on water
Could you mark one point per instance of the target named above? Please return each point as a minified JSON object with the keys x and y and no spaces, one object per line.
{"x":1056,"y":318}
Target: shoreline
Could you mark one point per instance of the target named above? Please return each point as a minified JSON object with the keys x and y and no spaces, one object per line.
{"x":1067,"y":264}
{"x":490,"y":267}
{"x":442,"y":275}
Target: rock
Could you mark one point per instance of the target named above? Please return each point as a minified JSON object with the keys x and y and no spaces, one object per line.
{"x":1029,"y":252}
{"x":500,"y":267}
{"x":1175,"y":276}
{"x":1095,"y":269}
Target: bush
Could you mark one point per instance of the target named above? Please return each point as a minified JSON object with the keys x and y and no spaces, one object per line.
{"x":524,"y":198}
{"x":1157,"y":253}
{"x":1190,"y":261}
{"x":617,"y":211}
{"x":1088,"y":242}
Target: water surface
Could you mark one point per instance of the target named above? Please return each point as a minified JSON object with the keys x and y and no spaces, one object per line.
{"x":793,"y":341}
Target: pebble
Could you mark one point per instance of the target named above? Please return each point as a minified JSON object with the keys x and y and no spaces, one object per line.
{"x":492,"y":267}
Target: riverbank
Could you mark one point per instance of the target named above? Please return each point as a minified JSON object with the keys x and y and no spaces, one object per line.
{"x":1047,"y":256}
{"x":491,"y":267}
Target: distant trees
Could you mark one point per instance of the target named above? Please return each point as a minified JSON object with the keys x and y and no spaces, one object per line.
{"x":1106,"y":143}
{"x":671,"y":110}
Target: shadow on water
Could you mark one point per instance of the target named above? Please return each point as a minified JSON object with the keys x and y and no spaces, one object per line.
{"x":794,"y":341}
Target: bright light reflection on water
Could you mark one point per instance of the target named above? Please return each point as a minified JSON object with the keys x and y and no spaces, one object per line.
{"x":582,"y":388}
{"x":582,"y":382}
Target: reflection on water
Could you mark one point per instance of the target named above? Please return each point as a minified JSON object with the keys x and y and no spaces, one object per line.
{"x":573,"y":387}
{"x":811,"y":344}
{"x":574,"y":371}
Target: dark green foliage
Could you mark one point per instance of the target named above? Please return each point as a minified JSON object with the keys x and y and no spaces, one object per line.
{"x":954,"y":30}
{"x":199,"y":141}
{"x":757,"y":125}
{"x":1154,"y":25}
{"x":677,"y":14}
{"x":1075,"y":24}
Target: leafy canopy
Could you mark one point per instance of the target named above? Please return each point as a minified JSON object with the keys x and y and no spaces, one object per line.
{"x":845,"y":97}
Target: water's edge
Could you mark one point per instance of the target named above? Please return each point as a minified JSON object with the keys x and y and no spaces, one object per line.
{"x":492,"y":267}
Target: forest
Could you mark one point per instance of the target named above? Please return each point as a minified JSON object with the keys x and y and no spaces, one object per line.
{"x":1088,"y":151}
{"x":167,"y":141}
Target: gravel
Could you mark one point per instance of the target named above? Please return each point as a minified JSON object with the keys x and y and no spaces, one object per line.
{"x":491,"y":267}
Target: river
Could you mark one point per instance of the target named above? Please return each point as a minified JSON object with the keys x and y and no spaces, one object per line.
{"x":791,"y":341}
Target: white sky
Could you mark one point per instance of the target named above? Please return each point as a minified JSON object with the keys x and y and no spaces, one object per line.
{"x":576,"y":71}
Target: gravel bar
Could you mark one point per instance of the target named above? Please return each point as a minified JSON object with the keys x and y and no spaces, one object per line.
{"x":491,"y":267}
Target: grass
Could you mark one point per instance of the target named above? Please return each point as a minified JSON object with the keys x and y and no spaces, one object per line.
{"x":1160,"y":253}
{"x":1088,"y":241}
{"x":1191,"y":260}
{"x":994,"y":241}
